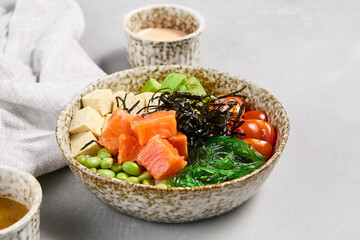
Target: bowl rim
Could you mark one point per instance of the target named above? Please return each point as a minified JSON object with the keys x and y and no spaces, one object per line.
{"x":36,"y":205}
{"x":191,"y":11}
{"x":86,"y":170}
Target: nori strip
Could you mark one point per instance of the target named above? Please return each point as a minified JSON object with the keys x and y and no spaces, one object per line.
{"x":87,"y":144}
{"x":201,"y":117}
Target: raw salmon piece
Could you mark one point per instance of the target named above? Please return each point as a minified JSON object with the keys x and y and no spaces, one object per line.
{"x":118,"y":123}
{"x":129,"y":148}
{"x":179,"y":141}
{"x":160,"y":158}
{"x":162,"y":123}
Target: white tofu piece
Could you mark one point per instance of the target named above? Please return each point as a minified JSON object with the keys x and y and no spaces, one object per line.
{"x":130,"y":100}
{"x":87,"y":119}
{"x":101,"y":100}
{"x":147,"y":96}
{"x":106,"y":118}
{"x":79,"y":140}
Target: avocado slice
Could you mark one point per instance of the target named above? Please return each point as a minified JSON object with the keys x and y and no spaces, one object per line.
{"x":172,"y":82}
{"x":151,"y":86}
{"x":194,"y":86}
{"x":183,"y":88}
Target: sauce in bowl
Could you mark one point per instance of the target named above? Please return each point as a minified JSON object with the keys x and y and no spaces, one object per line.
{"x":11,"y":211}
{"x":160,"y":34}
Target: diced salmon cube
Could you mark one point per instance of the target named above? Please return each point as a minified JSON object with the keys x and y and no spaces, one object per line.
{"x":129,"y":148}
{"x":160,"y":158}
{"x":161,"y":123}
{"x":179,"y":141}
{"x":118,"y":123}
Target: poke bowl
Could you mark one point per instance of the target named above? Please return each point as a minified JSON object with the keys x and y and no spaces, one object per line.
{"x":175,"y":204}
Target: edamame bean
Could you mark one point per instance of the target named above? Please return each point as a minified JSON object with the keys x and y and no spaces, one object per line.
{"x":93,"y":169}
{"x":148,"y":182}
{"x":132,"y":179}
{"x":144,"y":175}
{"x":82,"y":160}
{"x":106,"y":173}
{"x":106,"y":163}
{"x":93,"y":162}
{"x":161,"y":185}
{"x":103,"y":155}
{"x":131,"y":168}
{"x":122,"y":176}
{"x":116,"y":168}
{"x":104,"y":150}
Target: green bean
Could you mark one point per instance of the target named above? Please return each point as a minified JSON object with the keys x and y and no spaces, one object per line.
{"x":103,"y":155}
{"x":93,"y":162}
{"x":132,"y":179}
{"x":122,"y":176}
{"x":131,"y":168}
{"x":82,"y":160}
{"x":148,"y":182}
{"x":116,"y":168}
{"x":105,"y":150}
{"x":144,"y":175}
{"x":106,"y":163}
{"x":161,"y":185}
{"x":106,"y":173}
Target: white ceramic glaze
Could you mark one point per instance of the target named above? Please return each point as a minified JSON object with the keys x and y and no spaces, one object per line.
{"x":23,"y":187}
{"x":182,"y":51}
{"x":176,"y":204}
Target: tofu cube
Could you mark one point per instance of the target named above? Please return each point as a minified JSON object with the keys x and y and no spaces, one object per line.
{"x":106,"y":118}
{"x":86,"y":119}
{"x":130,"y":100}
{"x":148,"y":96}
{"x":79,"y":140}
{"x":101,"y":100}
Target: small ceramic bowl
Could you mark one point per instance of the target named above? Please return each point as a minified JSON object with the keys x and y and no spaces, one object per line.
{"x":181,"y":51}
{"x":24,"y":187}
{"x":178,"y":204}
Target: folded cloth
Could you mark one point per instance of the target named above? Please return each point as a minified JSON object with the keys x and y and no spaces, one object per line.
{"x":41,"y":67}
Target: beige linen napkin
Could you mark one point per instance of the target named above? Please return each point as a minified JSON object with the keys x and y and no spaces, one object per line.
{"x":41,"y":67}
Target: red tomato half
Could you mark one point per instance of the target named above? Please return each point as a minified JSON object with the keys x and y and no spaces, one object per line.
{"x":258,"y":129}
{"x":263,"y":147}
{"x":239,"y":101}
{"x":261,"y":115}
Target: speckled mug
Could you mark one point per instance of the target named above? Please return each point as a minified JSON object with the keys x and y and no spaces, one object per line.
{"x":176,"y":204}
{"x":181,"y":51}
{"x":24,"y":187}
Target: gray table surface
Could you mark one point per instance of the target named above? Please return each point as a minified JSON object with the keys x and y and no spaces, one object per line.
{"x":307,"y":53}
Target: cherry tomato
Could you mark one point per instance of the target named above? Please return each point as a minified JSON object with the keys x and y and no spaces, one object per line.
{"x":263,"y":147}
{"x":258,"y":129}
{"x":239,"y":101}
{"x":261,"y":115}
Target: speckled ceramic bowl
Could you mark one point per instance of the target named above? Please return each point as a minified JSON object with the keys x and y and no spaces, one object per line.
{"x":176,"y":204}
{"x":24,"y":187}
{"x":182,"y":51}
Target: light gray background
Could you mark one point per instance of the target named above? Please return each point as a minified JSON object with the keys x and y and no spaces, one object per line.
{"x":307,"y":53}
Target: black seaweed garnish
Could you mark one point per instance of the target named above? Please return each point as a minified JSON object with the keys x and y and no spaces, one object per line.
{"x":201,"y":117}
{"x":87,"y":144}
{"x":123,"y":100}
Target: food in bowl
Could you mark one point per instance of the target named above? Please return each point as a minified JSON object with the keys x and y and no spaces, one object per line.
{"x":11,"y":211}
{"x":176,"y":204}
{"x":171,"y":134}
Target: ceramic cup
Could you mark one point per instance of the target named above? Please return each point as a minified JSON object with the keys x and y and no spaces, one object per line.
{"x":24,"y":187}
{"x":181,"y":51}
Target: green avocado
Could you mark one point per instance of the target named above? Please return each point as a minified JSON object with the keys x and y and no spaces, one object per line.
{"x":183,"y":88}
{"x":151,"y":86}
{"x":194,"y":86}
{"x":172,"y":82}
